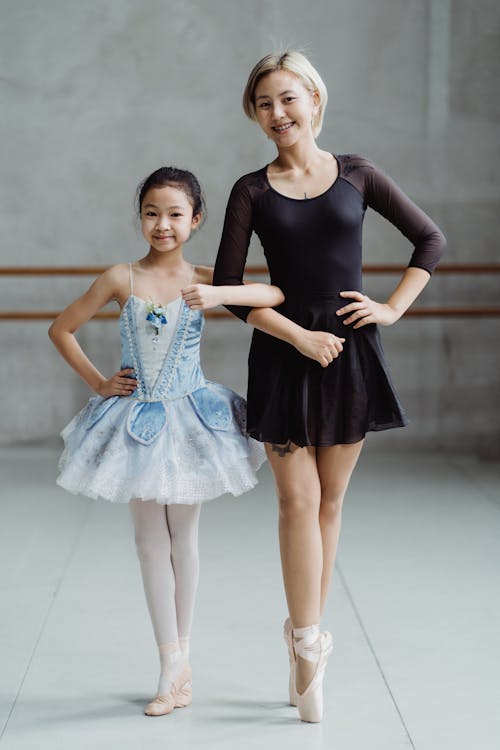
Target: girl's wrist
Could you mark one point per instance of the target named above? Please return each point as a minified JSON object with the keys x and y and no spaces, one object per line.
{"x":224,"y":295}
{"x":97,"y":386}
{"x":230,"y":295}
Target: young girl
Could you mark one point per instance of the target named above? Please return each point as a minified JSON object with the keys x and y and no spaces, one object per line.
{"x":317,"y":376}
{"x":159,"y":435}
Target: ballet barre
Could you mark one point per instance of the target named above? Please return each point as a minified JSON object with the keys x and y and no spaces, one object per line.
{"x":260,"y":270}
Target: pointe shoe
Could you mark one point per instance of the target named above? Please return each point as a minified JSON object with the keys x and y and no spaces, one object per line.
{"x":287,"y":635}
{"x":180,"y":696}
{"x":310,"y":702}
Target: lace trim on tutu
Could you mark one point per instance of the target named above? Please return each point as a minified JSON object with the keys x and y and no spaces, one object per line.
{"x":201,"y":451}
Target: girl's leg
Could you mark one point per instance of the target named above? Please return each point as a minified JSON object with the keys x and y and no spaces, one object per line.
{"x":183,"y":523}
{"x":299,"y":496}
{"x":152,"y":538}
{"x":335,"y":466}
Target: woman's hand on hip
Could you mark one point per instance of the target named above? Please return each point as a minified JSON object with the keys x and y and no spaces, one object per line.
{"x":364,"y":310}
{"x":118,"y":384}
{"x":318,"y":345}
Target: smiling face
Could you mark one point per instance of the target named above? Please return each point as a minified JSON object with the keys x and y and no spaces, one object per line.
{"x":167,"y":218}
{"x":284,"y":108}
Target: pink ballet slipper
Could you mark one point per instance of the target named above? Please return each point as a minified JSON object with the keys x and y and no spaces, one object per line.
{"x":179,"y":696}
{"x":184,"y":696}
{"x":161,"y":705}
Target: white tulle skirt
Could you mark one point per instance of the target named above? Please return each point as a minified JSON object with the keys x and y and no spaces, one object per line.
{"x":183,"y":452}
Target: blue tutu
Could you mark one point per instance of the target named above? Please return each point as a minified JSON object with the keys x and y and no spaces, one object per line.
{"x":177,"y":438}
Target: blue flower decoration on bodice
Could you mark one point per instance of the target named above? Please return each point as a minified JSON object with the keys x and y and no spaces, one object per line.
{"x":156,"y":315}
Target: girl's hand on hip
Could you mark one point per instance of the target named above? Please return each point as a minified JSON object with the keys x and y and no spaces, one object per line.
{"x":318,"y":345}
{"x":364,"y":310}
{"x":202,"y":296}
{"x":118,"y":384}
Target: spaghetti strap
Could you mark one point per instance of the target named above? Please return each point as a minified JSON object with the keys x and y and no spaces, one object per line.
{"x":130,"y":277}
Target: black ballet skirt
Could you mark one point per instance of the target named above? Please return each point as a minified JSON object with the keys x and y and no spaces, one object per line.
{"x":293,"y":398}
{"x":313,"y":251}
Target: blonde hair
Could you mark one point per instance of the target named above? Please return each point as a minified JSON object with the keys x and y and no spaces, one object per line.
{"x":293,"y":62}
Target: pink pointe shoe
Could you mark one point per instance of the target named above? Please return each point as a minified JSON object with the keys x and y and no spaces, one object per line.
{"x":287,"y":635}
{"x":180,"y":696}
{"x":310,"y":702}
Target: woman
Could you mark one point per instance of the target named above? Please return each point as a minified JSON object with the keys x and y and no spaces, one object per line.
{"x":317,"y":377}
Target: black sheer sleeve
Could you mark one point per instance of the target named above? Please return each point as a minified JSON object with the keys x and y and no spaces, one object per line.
{"x":233,"y":248}
{"x":384,"y":196}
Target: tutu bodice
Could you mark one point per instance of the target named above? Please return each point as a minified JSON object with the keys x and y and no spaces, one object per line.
{"x":178,"y":346}
{"x":178,"y":438}
{"x":152,"y":349}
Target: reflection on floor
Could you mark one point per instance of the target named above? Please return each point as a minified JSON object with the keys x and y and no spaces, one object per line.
{"x":414,"y":610}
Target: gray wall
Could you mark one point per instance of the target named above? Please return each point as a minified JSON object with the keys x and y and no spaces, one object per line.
{"x":96,"y":94}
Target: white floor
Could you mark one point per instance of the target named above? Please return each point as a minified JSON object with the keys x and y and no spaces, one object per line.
{"x":414,"y":609}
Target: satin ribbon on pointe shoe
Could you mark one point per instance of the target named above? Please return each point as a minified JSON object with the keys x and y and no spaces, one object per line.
{"x":315,"y":647}
{"x":287,"y":635}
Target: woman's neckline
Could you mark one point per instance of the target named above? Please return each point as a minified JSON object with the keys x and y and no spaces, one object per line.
{"x":303,"y":200}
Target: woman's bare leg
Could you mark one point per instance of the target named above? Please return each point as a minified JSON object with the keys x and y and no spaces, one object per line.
{"x":335,"y":466}
{"x":299,"y":497}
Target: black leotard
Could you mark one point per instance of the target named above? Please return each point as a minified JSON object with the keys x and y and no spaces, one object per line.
{"x":313,"y":251}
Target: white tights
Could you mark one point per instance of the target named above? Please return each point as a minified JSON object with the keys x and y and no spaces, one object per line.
{"x":166,"y":538}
